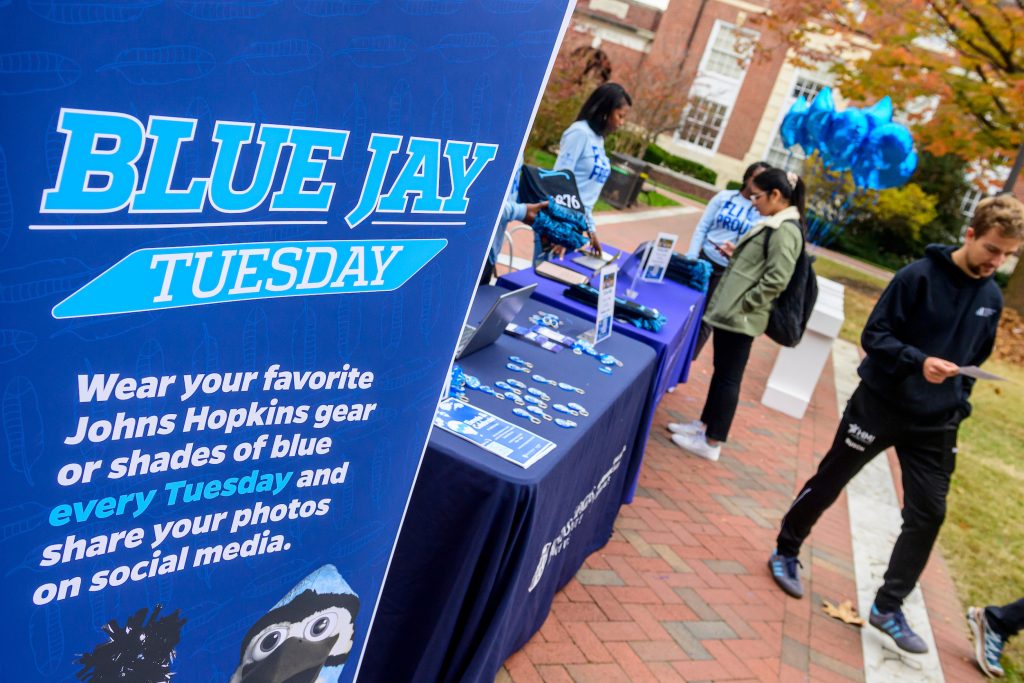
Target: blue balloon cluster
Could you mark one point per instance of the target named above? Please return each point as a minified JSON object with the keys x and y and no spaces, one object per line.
{"x":878,"y":152}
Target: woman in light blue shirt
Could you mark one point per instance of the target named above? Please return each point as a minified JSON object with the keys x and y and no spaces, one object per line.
{"x":728,"y":217}
{"x":582,"y":146}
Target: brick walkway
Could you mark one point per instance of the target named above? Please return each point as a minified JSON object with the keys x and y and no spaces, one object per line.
{"x":682,"y":593}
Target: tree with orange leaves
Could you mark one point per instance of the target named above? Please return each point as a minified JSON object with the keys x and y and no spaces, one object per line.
{"x":955,"y":67}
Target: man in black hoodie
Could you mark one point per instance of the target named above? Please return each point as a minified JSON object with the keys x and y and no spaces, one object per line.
{"x":937,"y":314}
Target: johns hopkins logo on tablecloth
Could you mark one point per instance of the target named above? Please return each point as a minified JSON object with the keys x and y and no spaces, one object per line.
{"x":237,"y":244}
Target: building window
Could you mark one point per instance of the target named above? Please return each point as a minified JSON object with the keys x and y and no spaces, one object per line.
{"x":702,"y":122}
{"x":786,"y":159}
{"x":970,"y":202}
{"x":730,"y":52}
{"x":806,"y":87}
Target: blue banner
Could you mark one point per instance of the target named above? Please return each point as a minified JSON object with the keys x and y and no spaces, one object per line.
{"x":238,"y":240}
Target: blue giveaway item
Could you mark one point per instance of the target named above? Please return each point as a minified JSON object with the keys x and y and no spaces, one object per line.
{"x":692,"y":273}
{"x":523,"y":413}
{"x":534,"y":391}
{"x":566,"y":424}
{"x":565,"y":386}
{"x":579,"y":409}
{"x":562,"y":226}
{"x":628,"y":311}
{"x":536,"y":410}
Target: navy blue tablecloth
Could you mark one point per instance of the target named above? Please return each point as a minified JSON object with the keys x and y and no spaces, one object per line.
{"x":486,"y":544}
{"x":674,"y":343}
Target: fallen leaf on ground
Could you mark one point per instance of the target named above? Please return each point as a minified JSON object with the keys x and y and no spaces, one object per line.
{"x":846,"y":612}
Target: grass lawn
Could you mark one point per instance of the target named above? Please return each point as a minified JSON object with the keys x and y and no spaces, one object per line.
{"x":983,"y":537}
{"x":540,"y":158}
{"x":655,"y":200}
{"x":862,"y":291}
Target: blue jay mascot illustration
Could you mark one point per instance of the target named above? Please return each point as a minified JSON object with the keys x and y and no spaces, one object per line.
{"x":306,"y":637}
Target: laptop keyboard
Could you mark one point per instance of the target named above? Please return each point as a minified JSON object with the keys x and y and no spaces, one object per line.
{"x":467,"y":334}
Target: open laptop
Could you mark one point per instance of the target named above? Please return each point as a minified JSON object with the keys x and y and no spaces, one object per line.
{"x":502,"y":311}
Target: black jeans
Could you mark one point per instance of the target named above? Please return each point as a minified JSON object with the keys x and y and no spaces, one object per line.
{"x":926,"y":449}
{"x":731,"y":353}
{"x":1007,"y":620}
{"x":705,"y":329}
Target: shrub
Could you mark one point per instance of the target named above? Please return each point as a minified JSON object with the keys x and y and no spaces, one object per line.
{"x":661,"y":157}
{"x":734,"y":185}
{"x":890,"y":227}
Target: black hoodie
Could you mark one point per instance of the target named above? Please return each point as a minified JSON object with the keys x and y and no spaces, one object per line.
{"x":931,"y":308}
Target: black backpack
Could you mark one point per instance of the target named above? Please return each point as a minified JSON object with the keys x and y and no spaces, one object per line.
{"x":793,"y":308}
{"x":538,"y":184}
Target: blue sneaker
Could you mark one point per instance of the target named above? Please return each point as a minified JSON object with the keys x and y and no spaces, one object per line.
{"x":988,"y":645}
{"x":786,"y":573}
{"x":895,"y":625}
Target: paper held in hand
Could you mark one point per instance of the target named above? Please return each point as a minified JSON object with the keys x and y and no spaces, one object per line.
{"x":977,"y":373}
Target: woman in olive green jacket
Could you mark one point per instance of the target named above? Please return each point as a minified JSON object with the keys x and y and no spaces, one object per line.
{"x":740,"y":307}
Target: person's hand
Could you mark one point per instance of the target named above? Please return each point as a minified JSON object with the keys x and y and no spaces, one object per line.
{"x":594,"y":244}
{"x":937,"y":370}
{"x":727,"y":249}
{"x":532,"y":210}
{"x":558,"y":251}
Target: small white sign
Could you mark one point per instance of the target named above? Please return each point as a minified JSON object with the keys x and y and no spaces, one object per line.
{"x":606,"y":278}
{"x":659,"y":255}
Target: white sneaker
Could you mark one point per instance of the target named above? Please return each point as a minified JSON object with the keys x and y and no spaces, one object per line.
{"x":695,"y":427}
{"x":697,"y":445}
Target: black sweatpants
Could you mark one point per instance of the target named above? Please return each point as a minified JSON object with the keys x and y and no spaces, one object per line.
{"x":927,"y":453}
{"x":705,"y":329}
{"x":731,"y":353}
{"x":1007,"y":620}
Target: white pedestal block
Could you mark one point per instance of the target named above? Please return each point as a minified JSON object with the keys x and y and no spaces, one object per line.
{"x":796,"y":371}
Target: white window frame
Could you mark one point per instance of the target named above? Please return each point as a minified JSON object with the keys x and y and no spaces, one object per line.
{"x":731,"y":85}
{"x":969,"y":202}
{"x":798,"y":156}
{"x":716,"y":30}
{"x":718,"y":133}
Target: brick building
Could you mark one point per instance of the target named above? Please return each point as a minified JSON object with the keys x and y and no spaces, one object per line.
{"x":736,"y":102}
